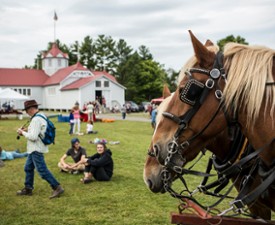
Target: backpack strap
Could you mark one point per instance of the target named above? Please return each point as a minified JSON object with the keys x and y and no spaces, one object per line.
{"x":46,"y":119}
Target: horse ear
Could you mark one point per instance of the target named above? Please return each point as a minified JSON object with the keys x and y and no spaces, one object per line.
{"x":208,"y":43}
{"x":203,"y":55}
{"x":166,"y":92}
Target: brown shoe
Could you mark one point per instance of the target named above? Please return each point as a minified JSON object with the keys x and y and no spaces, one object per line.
{"x":25,"y":191}
{"x":57,"y":192}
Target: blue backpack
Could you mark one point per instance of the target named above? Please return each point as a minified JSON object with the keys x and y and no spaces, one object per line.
{"x":49,"y":133}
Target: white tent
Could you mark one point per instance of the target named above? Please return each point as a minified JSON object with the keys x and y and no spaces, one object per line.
{"x":7,"y":95}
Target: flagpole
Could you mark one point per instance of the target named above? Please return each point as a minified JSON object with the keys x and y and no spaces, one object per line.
{"x":54,"y":31}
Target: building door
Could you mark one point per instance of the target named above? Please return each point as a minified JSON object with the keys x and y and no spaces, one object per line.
{"x":98,"y":96}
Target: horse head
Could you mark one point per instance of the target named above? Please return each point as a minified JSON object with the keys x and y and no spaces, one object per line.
{"x":187,"y":123}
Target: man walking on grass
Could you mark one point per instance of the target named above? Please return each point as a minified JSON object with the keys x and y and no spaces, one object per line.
{"x":36,"y":149}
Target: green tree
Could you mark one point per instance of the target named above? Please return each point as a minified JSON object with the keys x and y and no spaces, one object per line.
{"x":172,"y":79}
{"x":88,"y":53}
{"x":104,"y":53}
{"x":221,"y":43}
{"x":122,"y":53}
{"x":144,"y":53}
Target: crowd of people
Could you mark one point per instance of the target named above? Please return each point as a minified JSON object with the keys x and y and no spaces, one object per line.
{"x":75,"y":160}
{"x":98,"y":166}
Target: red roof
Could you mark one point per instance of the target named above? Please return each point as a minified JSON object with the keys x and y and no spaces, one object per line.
{"x":79,"y":83}
{"x":104,"y":73}
{"x":22,"y":77}
{"x":32,"y":77}
{"x":55,"y":51}
{"x":61,"y":74}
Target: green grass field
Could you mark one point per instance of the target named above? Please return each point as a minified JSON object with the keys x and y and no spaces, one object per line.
{"x":124,"y":200}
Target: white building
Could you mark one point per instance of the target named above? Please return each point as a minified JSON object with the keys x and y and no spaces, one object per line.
{"x":58,"y":86}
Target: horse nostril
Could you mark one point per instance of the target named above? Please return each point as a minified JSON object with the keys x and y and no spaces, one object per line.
{"x":156,"y":150}
{"x":149,"y":183}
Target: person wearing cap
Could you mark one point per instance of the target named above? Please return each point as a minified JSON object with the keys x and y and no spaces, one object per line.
{"x":100,"y":165}
{"x":78,"y":154}
{"x":36,"y":149}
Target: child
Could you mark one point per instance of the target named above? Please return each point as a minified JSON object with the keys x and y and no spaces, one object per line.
{"x":71,"y":122}
{"x":90,"y":126}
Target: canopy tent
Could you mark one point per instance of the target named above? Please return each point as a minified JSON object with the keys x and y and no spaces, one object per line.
{"x":157,"y":101}
{"x":9,"y":94}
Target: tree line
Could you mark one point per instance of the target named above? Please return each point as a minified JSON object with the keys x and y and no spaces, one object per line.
{"x":137,"y":70}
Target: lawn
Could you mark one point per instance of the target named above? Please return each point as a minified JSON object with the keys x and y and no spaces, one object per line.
{"x":124,"y":200}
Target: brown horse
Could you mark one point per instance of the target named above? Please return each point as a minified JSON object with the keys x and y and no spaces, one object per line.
{"x":153,"y":169}
{"x":237,"y":87}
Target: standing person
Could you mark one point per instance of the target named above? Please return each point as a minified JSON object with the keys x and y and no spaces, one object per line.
{"x":77,"y":153}
{"x":123,"y":111}
{"x":36,"y":150}
{"x":71,"y":122}
{"x":100,"y":165}
{"x":154,"y":116}
{"x":90,"y":111}
{"x":76,"y":113}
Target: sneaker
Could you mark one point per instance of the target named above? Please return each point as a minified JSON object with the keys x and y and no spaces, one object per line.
{"x":25,"y":191}
{"x":57,"y":192}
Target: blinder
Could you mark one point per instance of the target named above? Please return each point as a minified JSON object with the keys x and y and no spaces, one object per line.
{"x":191,"y":92}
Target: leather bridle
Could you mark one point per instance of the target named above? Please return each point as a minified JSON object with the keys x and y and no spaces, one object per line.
{"x":194,"y":94}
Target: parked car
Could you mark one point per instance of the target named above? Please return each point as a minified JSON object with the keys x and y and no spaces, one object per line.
{"x":144,"y":106}
{"x":133,"y":106}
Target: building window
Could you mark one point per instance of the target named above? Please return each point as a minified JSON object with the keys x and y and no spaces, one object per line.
{"x":20,"y":90}
{"x":28,"y":92}
{"x":106,"y":83}
{"x":98,"y":83}
{"x":59,"y":62}
{"x":24,"y":92}
{"x":52,"y":91}
{"x":15,"y":89}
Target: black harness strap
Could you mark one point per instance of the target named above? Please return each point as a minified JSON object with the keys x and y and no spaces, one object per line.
{"x":249,"y":198}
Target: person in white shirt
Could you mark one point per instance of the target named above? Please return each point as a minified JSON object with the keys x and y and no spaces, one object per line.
{"x":90,"y":127}
{"x":36,"y":149}
{"x":90,"y":111}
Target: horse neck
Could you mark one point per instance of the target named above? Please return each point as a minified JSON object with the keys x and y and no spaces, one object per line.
{"x":220,"y":145}
{"x":261,"y":134}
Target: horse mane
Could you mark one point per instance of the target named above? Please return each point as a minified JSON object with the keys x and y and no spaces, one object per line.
{"x":249,"y":70}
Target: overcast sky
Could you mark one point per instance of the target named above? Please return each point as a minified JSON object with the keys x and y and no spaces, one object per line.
{"x":27,"y":26}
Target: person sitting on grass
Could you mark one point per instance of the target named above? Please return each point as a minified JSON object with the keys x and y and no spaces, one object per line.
{"x":100,"y":165}
{"x":90,"y":127}
{"x":78,"y":154}
{"x":10,"y":155}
